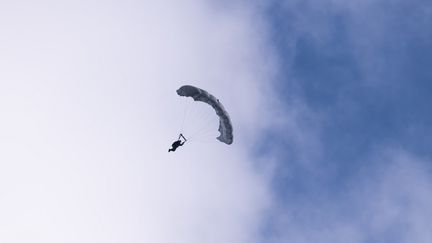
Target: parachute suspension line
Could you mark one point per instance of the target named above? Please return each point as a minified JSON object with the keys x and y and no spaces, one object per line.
{"x":204,"y":134}
{"x":199,"y":136}
{"x":206,"y":127}
{"x":206,"y":119}
{"x":185,"y":112}
{"x":198,"y":113}
{"x":189,"y":113}
{"x":205,"y":124}
{"x":190,"y":117}
{"x":195,"y":118}
{"x":198,"y":133}
{"x":202,"y":141}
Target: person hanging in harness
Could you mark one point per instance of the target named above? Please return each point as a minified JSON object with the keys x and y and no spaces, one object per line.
{"x":177,"y":143}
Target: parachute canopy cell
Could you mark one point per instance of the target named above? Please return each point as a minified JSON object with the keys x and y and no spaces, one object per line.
{"x":225,"y":126}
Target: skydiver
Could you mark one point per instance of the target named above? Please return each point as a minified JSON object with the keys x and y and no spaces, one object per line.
{"x":177,"y":143}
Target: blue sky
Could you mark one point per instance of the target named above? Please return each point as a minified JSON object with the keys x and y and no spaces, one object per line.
{"x":359,"y":106}
{"x":362,"y":72}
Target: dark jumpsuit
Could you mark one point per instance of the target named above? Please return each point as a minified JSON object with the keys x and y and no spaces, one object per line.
{"x":175,"y":145}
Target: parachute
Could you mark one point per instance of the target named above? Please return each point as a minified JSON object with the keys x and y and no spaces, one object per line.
{"x":225,"y":126}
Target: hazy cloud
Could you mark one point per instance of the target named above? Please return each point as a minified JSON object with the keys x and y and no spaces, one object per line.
{"x":89,"y":109}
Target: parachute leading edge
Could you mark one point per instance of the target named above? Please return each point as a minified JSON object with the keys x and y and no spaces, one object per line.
{"x":225,"y":126}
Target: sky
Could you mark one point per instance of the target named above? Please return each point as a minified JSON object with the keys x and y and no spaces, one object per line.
{"x":329,"y":101}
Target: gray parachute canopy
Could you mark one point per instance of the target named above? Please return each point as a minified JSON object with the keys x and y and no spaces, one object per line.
{"x":225,"y":126}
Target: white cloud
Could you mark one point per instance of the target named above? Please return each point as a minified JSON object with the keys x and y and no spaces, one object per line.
{"x":87,"y":97}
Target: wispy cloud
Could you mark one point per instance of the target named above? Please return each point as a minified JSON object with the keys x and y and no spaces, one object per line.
{"x":389,"y":201}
